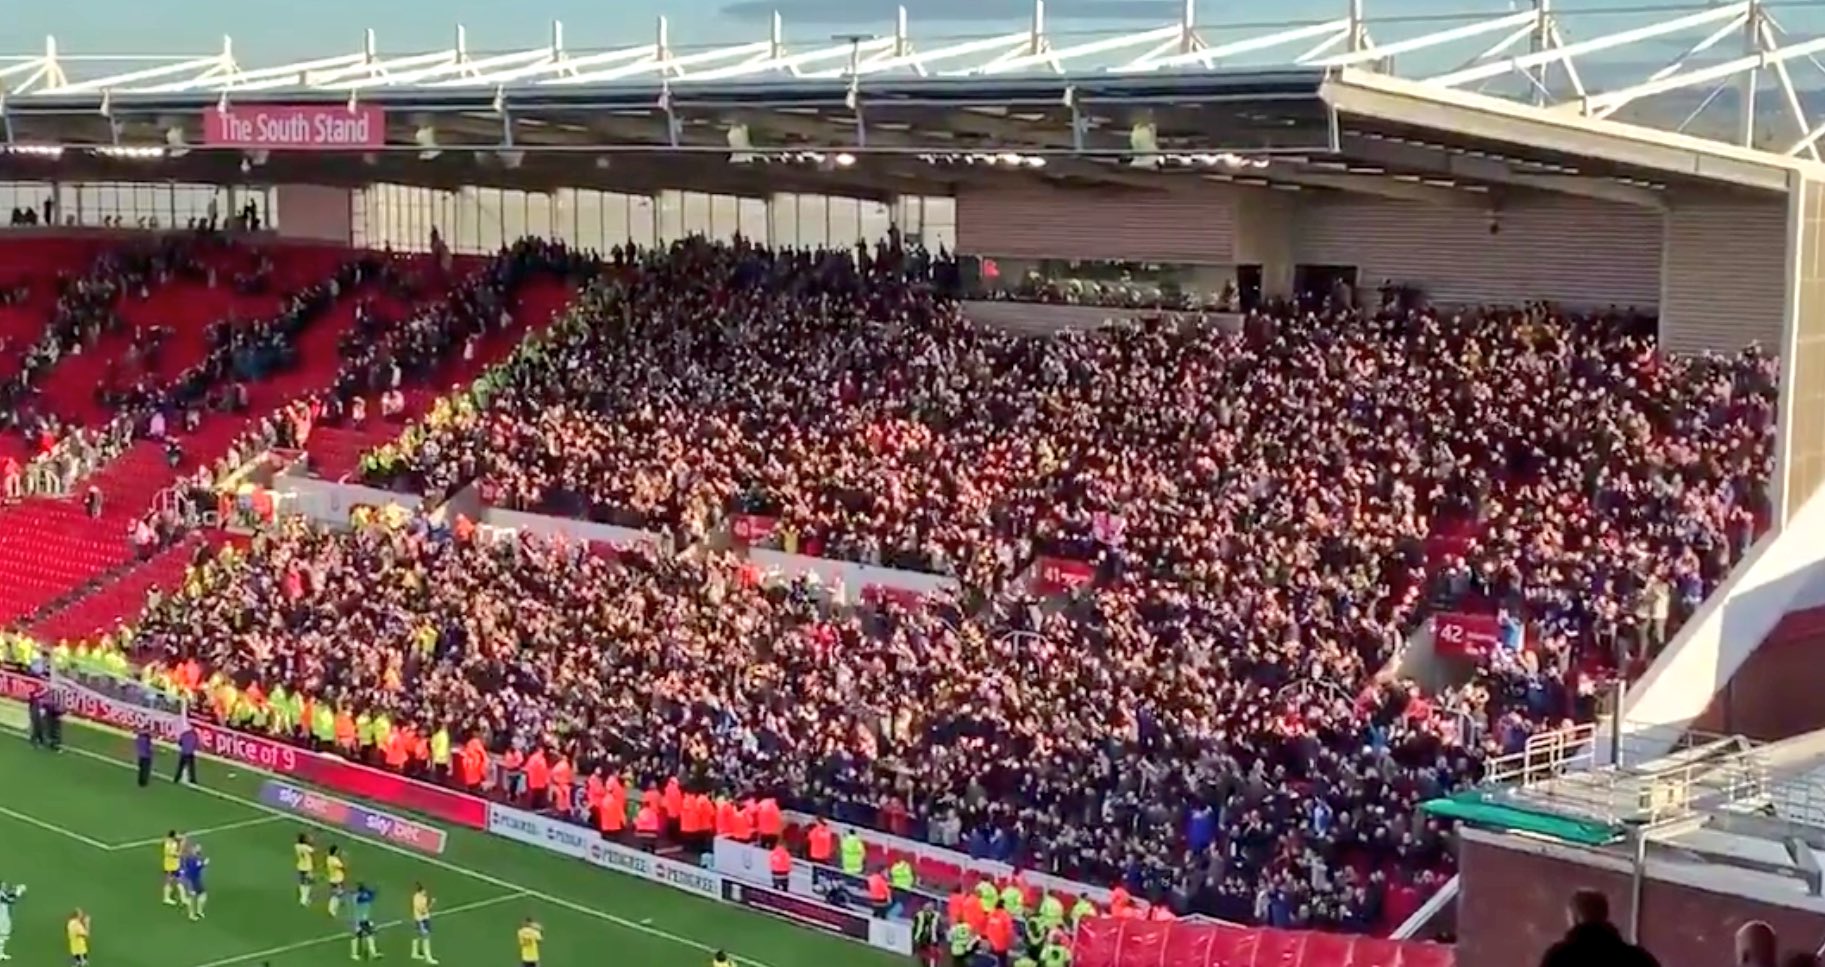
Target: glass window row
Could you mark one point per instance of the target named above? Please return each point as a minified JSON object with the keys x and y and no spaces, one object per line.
{"x":130,"y":204}
{"x":473,"y":220}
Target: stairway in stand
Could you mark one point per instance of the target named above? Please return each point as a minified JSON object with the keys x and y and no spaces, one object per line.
{"x":52,"y":548}
{"x":52,"y":551}
{"x":120,"y":596}
{"x":335,"y":452}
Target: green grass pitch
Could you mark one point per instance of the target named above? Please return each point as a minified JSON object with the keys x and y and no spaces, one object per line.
{"x":76,"y":830}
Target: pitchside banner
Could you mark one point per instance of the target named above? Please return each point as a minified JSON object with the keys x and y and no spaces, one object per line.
{"x":890,"y":935}
{"x":295,"y":127}
{"x":749,"y":864}
{"x":265,"y":754}
{"x":353,"y":817}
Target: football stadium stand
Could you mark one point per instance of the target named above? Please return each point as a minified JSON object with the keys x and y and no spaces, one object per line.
{"x":1307,"y":514}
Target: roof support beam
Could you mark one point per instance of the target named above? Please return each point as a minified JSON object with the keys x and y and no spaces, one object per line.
{"x":1810,"y":141}
{"x":1057,"y":58}
{"x":1493,"y":169}
{"x":1371,"y":54}
{"x":285,"y":75}
{"x":200,"y":68}
{"x":1015,"y":44}
{"x":1595,"y":189}
{"x":1791,"y":94}
{"x":1208,"y":56}
{"x":673,"y":67}
{"x":793,"y":63}
{"x":1471,"y":75}
{"x":1607,"y":104}
{"x":461,"y":65}
{"x":1382,"y":186}
{"x":560,"y":63}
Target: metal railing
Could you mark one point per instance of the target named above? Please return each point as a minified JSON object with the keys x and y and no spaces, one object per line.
{"x":1564,"y":772}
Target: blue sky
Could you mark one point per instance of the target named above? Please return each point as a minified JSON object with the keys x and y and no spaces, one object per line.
{"x":268,"y":32}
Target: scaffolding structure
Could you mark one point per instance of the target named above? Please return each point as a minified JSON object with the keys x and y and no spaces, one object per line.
{"x":1532,"y":54}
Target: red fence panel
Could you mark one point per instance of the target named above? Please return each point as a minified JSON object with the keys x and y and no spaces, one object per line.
{"x":1115,"y":942}
{"x":1098,"y":941}
{"x":1188,"y":948}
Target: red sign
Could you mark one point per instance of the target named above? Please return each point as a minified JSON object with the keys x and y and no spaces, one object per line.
{"x":1458,"y":635}
{"x":296,"y":126}
{"x":1058,"y":575}
{"x":265,"y":754}
{"x":753,"y":528}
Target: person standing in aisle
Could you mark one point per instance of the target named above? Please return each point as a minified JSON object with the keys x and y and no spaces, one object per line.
{"x":142,"y":754}
{"x":186,"y":757}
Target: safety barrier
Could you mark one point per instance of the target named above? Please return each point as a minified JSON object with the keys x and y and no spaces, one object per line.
{"x":1118,"y":942}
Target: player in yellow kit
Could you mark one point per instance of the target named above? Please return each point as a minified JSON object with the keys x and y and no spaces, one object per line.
{"x":306,"y":859}
{"x":174,"y":850}
{"x":529,"y":937}
{"x":337,"y":875}
{"x":78,"y":929}
{"x":421,"y":924}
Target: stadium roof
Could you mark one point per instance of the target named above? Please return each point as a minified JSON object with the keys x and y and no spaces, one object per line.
{"x":1344,"y":104}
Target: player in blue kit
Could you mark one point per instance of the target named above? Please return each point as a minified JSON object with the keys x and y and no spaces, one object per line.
{"x":361,"y":917}
{"x":190,"y":874}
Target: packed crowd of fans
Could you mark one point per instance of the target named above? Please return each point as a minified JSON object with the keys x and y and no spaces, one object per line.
{"x":990,"y":728}
{"x":378,"y":353}
{"x":1204,"y":724}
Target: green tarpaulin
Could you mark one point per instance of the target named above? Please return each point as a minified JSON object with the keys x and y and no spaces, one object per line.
{"x":1482,"y":810}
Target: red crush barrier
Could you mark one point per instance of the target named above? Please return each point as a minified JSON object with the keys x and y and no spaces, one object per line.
{"x":1118,"y":942}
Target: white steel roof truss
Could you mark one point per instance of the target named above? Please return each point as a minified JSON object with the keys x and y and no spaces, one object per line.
{"x":259,"y":78}
{"x":674,"y":67}
{"x":794,"y":63}
{"x":1064,"y":55}
{"x":1603,"y":105}
{"x":1789,"y":93}
{"x":467,"y":68}
{"x":1528,"y":41}
{"x":1209,"y":56}
{"x":384,"y":70}
{"x":200,"y":69}
{"x":1003,"y":46}
{"x":565,"y":64}
{"x":1368,"y":55}
{"x":1606,"y":42}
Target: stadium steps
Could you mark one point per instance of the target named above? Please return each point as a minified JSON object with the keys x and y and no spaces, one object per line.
{"x":116,"y":596}
{"x":35,"y":264}
{"x":187,"y":307}
{"x":335,"y":452}
{"x":51,"y":549}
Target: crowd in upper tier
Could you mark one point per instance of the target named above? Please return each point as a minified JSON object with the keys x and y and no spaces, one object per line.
{"x":847,"y":397}
{"x":1264,"y":500}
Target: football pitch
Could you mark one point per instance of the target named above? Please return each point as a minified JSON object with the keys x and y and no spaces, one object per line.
{"x":79,"y":833}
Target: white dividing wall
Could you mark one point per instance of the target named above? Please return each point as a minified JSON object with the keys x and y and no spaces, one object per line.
{"x":1778,"y":571}
{"x":1579,"y":253}
{"x":1724,"y":285}
{"x":1195,"y":225}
